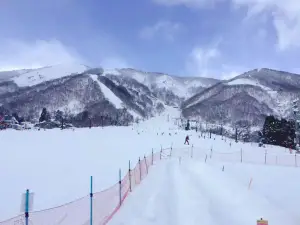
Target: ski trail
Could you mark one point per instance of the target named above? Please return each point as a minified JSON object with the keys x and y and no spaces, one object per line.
{"x":149,"y":203}
{"x":234,"y":204}
{"x":190,"y":205}
{"x":169,"y":199}
{"x":196,"y":193}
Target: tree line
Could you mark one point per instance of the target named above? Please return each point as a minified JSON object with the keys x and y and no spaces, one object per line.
{"x":87,"y":119}
{"x":278,"y":132}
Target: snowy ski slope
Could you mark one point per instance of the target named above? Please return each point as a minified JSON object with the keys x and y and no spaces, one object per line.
{"x":56,"y":166}
{"x":108,"y":93}
{"x":201,"y":193}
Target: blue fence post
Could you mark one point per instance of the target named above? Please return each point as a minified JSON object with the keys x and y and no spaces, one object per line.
{"x":120,"y":186}
{"x":27,"y":207}
{"x":91,"y":202}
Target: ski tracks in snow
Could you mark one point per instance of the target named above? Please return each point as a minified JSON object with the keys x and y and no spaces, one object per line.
{"x":230,"y":201}
{"x":195,"y":193}
{"x":170,"y":198}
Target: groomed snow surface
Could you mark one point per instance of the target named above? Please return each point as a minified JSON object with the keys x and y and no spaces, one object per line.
{"x":193,"y":192}
{"x":56,"y":166}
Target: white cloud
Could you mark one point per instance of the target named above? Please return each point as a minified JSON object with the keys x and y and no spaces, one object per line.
{"x":16,"y":54}
{"x":200,"y":61}
{"x":285,"y":15}
{"x":209,"y":62}
{"x":165,"y":29}
{"x":188,"y":3}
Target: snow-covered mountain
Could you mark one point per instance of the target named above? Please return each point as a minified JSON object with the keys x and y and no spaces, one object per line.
{"x":171,"y":89}
{"x":77,"y":89}
{"x":80,"y":95}
{"x":247,"y":97}
{"x":25,"y":78}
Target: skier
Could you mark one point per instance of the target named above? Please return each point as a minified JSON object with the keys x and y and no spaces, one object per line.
{"x":187,"y":140}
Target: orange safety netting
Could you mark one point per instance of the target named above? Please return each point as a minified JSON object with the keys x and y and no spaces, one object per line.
{"x":105,"y":203}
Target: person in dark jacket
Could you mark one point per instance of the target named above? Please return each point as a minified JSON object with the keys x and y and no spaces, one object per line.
{"x":187,"y":140}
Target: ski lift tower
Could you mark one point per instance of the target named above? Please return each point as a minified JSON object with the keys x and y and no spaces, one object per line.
{"x":297,"y":124}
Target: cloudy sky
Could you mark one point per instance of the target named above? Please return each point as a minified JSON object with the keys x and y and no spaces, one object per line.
{"x":216,"y":38}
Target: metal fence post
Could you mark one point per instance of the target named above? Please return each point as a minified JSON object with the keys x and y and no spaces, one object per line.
{"x":146,"y":164}
{"x":91,"y":201}
{"x":160,"y":153}
{"x":129,"y":174}
{"x":27,"y":207}
{"x":120,"y":186}
{"x":241,"y":155}
{"x":266,"y":157}
{"x":140,"y":169}
{"x":152,"y":157}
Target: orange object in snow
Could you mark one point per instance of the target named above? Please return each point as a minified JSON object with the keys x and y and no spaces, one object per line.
{"x":262,"y":222}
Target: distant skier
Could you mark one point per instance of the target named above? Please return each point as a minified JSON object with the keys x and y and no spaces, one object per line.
{"x":187,"y":140}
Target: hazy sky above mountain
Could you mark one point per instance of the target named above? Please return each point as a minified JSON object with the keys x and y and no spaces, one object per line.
{"x":216,"y":38}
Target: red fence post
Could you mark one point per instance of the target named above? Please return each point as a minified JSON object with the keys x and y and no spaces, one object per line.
{"x":129,"y":174}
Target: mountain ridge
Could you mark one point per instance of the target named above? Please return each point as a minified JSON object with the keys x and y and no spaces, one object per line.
{"x":261,"y":91}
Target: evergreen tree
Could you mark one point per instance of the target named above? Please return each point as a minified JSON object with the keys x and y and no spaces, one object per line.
{"x":187,"y":125}
{"x":58,"y":116}
{"x":85,"y":115}
{"x":278,"y":132}
{"x":45,"y":115}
